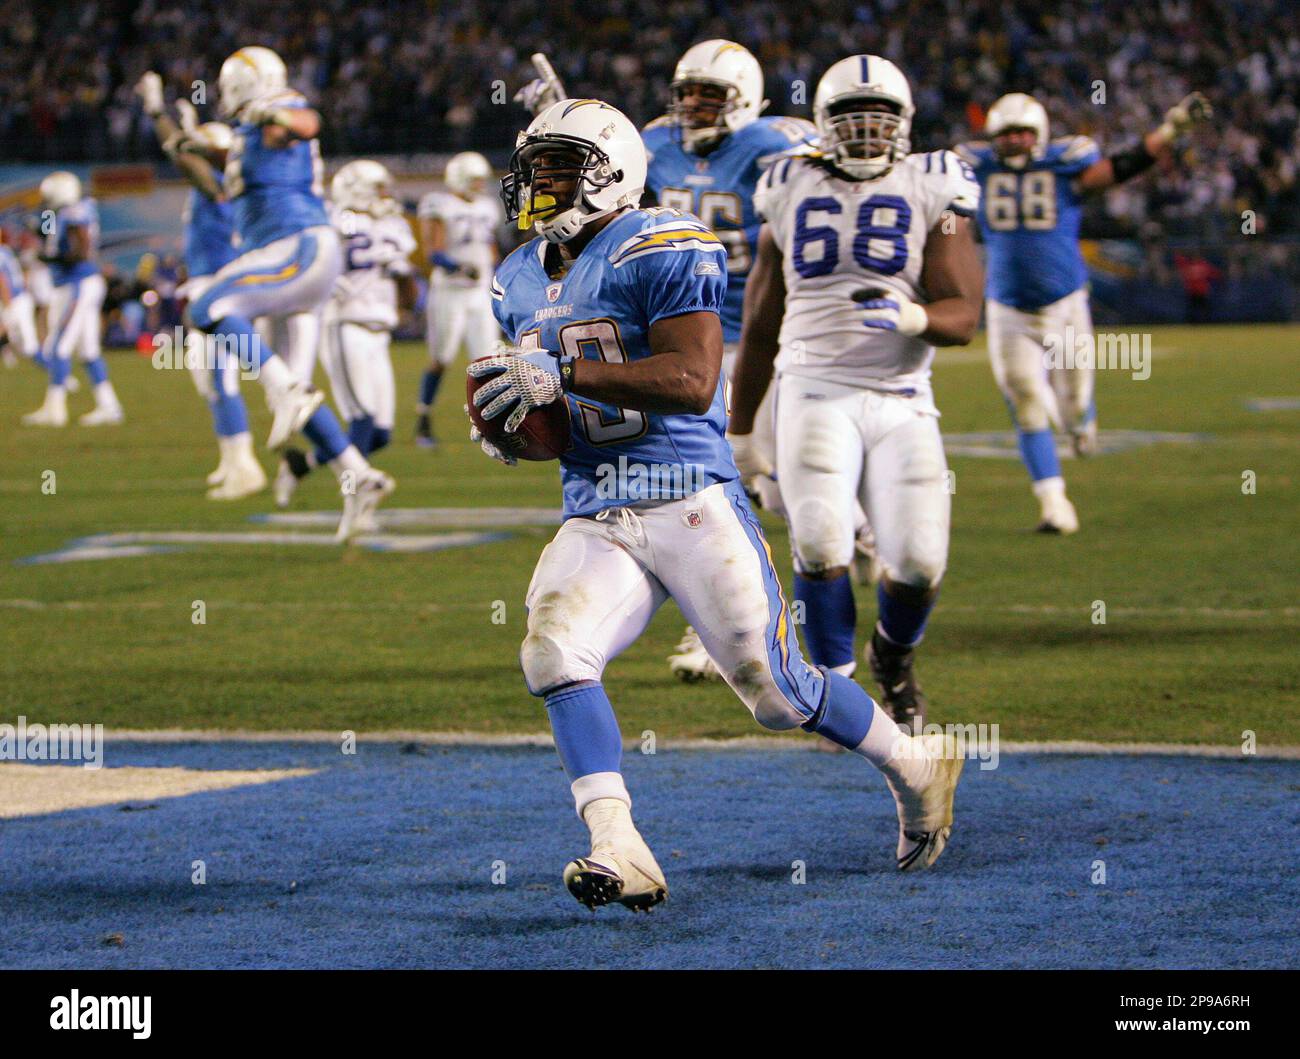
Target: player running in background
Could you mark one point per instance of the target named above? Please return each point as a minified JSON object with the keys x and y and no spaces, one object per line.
{"x":208,"y":245}
{"x":70,"y":224}
{"x":18,"y":310}
{"x":458,"y":228}
{"x":866,"y":261}
{"x":616,"y":311}
{"x":288,"y":262}
{"x":361,"y":314}
{"x":1033,"y":189}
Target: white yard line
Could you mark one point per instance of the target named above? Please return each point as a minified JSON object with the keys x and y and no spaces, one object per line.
{"x":750,"y":742}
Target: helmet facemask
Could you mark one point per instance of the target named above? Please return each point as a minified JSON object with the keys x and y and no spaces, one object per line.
{"x":866,"y":135}
{"x":1016,"y":153}
{"x":694,"y":96}
{"x":558,"y":212}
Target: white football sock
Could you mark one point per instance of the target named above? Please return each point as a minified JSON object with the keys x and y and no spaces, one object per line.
{"x":895,"y":753}
{"x":350,"y":459}
{"x":105,"y":395}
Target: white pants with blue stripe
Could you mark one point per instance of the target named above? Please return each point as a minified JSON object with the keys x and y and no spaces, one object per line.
{"x":74,"y":319}
{"x":600,"y":581}
{"x":20,"y":323}
{"x":289,"y":276}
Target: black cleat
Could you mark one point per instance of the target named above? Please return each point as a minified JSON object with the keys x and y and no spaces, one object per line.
{"x":424,"y":432}
{"x":902,"y":697}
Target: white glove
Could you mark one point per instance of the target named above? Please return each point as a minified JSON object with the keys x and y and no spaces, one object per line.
{"x":150,"y":90}
{"x":189,"y":115}
{"x":887,"y":310}
{"x":264,"y":111}
{"x":751,"y":461}
{"x":1191,"y":110}
{"x":491,"y":450}
{"x":537,"y":95}
{"x":524,"y":380}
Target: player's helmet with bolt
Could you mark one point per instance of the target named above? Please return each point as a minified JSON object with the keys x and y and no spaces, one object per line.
{"x":60,"y":189}
{"x":364,"y":186}
{"x":247,"y":75}
{"x":1018,"y":111}
{"x":606,"y":160}
{"x":864,"y":140}
{"x":464,"y":169}
{"x":725,"y":65}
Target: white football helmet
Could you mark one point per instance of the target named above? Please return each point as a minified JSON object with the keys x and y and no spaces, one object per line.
{"x":364,"y":186}
{"x":726,"y":65}
{"x":464,"y":169}
{"x":609,"y":163}
{"x":60,"y":189}
{"x":213,"y":136}
{"x":247,"y":75}
{"x":1018,"y":111}
{"x":866,"y":144}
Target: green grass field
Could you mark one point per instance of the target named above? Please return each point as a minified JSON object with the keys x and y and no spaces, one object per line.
{"x":1199,"y":580}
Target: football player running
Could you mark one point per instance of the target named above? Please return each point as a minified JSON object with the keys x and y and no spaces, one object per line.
{"x":18,"y":309}
{"x":70,"y":224}
{"x":866,"y":261}
{"x":459,"y":231}
{"x":616,"y":311}
{"x":361,"y":315}
{"x":1033,"y":188}
{"x":289,"y":259}
{"x":208,"y":245}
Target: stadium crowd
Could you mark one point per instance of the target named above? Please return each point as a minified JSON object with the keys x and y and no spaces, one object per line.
{"x":412,"y":76}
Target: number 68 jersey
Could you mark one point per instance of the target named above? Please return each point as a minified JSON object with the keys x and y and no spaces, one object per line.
{"x":838,"y":236}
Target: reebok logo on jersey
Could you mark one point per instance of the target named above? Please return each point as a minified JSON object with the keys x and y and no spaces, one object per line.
{"x":707,"y":268}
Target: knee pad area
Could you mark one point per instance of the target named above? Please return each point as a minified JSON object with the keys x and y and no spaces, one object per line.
{"x":752,"y":681}
{"x":822,"y":540}
{"x":546,"y":664}
{"x":1024,"y":395}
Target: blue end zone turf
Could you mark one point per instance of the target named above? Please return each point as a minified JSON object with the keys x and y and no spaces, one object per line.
{"x":386,"y":859}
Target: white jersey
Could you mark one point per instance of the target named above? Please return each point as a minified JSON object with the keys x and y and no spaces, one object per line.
{"x":471,"y":234}
{"x":376,"y":252}
{"x":838,"y":236}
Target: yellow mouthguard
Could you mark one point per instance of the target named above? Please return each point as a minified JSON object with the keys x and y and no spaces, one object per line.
{"x":541,"y":207}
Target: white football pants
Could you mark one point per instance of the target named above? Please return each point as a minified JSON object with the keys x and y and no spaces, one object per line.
{"x":1041,"y":395}
{"x":20,"y":324}
{"x":360,"y":371}
{"x":74,"y":319}
{"x":459,"y":314}
{"x":837,"y":446}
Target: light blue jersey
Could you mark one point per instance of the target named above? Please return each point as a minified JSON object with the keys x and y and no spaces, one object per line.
{"x":1030,"y":221}
{"x":11,"y":271}
{"x":718,"y":188}
{"x":58,"y":243}
{"x":209,"y":234}
{"x":276,"y":191}
{"x":642,"y":267}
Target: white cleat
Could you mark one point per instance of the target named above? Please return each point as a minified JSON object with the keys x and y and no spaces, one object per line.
{"x":284,"y":485}
{"x":46,"y":416}
{"x":217,"y":476}
{"x":925,"y":811}
{"x":243,"y":478}
{"x":620,"y":866}
{"x":1058,"y":516}
{"x":103,"y":416}
{"x":71,"y":385}
{"x":690,"y":661}
{"x":292,"y":408}
{"x":359,"y":504}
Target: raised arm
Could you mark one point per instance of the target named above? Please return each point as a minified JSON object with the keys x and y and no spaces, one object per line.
{"x":1128,"y":163}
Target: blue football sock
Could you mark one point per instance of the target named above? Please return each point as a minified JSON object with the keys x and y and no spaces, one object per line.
{"x":429,"y":387}
{"x":903,"y":622}
{"x":845,"y":713}
{"x":830,"y":619}
{"x":40,"y":360}
{"x":60,"y":369}
{"x":585,"y":730}
{"x":362,"y":432}
{"x":380,"y":438}
{"x":230,"y":415}
{"x":97,"y":371}
{"x":323,"y":430}
{"x":1038,"y":450}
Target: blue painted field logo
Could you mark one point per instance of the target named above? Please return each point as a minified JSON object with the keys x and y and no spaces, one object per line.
{"x":193,"y":350}
{"x":978,"y":742}
{"x":1069,"y":349}
{"x":77,"y":1012}
{"x":53,"y":742}
{"x":632,"y":482}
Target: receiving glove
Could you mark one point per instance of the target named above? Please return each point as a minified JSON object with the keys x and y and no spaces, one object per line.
{"x":751,"y":461}
{"x":1191,"y":110}
{"x":491,"y":450}
{"x":537,"y":95}
{"x":887,"y":310}
{"x":264,"y":111}
{"x":524,"y":380}
{"x":150,"y":90}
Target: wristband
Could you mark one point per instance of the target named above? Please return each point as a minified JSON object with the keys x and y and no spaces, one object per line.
{"x":566,"y":373}
{"x":1131,"y":162}
{"x":443,"y":260}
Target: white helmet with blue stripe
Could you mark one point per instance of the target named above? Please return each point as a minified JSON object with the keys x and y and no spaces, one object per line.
{"x":60,"y":189}
{"x":725,"y":65}
{"x":249,"y":74}
{"x":606,"y":161}
{"x":863,"y":110}
{"x":1018,"y":111}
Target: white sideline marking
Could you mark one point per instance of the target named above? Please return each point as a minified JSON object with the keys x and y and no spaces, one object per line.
{"x":1003,"y":445}
{"x":30,"y":790}
{"x":428,"y":517}
{"x":747,"y":742}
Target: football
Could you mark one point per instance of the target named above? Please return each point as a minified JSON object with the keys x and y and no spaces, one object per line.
{"x":544,"y":434}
